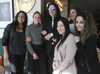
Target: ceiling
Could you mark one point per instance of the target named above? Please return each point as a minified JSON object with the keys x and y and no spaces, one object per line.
{"x":93,"y":6}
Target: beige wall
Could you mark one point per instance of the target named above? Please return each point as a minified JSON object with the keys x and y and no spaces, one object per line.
{"x":64,"y":13}
{"x":37,"y":7}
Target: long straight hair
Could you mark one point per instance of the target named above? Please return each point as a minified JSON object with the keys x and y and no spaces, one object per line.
{"x":67,"y":31}
{"x":58,"y":15}
{"x":15,"y":22}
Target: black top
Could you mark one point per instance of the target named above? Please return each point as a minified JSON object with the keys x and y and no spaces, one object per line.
{"x":98,"y":42}
{"x":48,"y":27}
{"x":86,"y":57}
{"x":18,"y":44}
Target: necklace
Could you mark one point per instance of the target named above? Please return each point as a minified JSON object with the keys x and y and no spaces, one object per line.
{"x":19,"y":28}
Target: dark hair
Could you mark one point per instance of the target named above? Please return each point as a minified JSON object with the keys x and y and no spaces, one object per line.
{"x":67,"y":31}
{"x":76,"y":9}
{"x":15,"y":22}
{"x":57,"y":10}
{"x":89,"y":27}
{"x":38,"y":13}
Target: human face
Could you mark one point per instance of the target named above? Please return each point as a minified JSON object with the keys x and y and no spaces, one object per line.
{"x":61,"y":28}
{"x":21,"y":18}
{"x":80,"y":24}
{"x":36,"y":19}
{"x":72,"y":14}
{"x":52,"y":12}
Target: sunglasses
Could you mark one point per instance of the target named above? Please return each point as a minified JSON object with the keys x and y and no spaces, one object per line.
{"x":49,"y":9}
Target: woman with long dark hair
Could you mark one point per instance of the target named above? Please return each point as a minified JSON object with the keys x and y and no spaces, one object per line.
{"x":14,"y":43}
{"x":65,"y":50}
{"x":86,"y":36}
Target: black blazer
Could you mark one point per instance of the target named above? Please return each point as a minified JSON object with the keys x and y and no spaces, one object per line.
{"x":48,"y":27}
{"x":86,"y":57}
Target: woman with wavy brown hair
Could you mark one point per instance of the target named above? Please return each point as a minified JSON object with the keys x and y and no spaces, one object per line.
{"x":86,"y":33}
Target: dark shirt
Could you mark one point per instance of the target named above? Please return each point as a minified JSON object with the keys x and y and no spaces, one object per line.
{"x":86,"y":57}
{"x":98,"y":42}
{"x":18,"y":43}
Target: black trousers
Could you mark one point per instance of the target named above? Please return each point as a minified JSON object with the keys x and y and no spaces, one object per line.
{"x":40,"y":65}
{"x":17,"y":63}
{"x":50,"y":60}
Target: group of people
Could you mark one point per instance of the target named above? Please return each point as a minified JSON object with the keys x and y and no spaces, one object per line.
{"x":56,"y":47}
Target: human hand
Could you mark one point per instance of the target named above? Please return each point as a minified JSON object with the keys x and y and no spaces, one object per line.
{"x":98,"y":48}
{"x":48,"y":36}
{"x":54,"y":67}
{"x":56,"y":71}
{"x":29,"y":38}
{"x":44,"y":32}
{"x":35,"y":57}
{"x":54,"y":40}
{"x":6,"y":56}
{"x":77,"y":38}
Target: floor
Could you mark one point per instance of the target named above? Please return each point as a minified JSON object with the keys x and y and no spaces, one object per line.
{"x":8,"y":71}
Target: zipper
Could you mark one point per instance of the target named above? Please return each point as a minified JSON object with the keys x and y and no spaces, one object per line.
{"x":87,"y":65}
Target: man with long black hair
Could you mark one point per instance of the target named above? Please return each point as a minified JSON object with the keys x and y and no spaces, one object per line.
{"x":49,"y":31}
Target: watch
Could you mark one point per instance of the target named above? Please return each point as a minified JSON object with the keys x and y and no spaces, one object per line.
{"x":24,"y":5}
{"x":51,"y":34}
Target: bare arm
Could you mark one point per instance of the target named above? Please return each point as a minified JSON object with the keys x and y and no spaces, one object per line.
{"x":6,"y":55}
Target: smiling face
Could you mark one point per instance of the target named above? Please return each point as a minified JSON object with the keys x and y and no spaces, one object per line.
{"x":36,"y":18}
{"x":61,"y":28}
{"x":21,"y":18}
{"x":80,"y":23}
{"x":52,"y":11}
{"x":73,"y":14}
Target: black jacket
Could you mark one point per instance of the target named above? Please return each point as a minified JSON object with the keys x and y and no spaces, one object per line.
{"x":86,"y":57}
{"x":48,"y":27}
{"x":8,"y":36}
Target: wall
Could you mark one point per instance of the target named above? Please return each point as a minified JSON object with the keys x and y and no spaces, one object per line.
{"x":37,"y":7}
{"x":64,"y":13}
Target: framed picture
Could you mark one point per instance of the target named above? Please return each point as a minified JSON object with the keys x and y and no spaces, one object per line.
{"x":6,"y":13}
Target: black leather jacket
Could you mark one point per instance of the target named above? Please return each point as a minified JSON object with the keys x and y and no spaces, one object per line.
{"x":8,"y":36}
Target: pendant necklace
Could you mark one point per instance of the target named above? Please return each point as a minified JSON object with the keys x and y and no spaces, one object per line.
{"x":19,"y":28}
